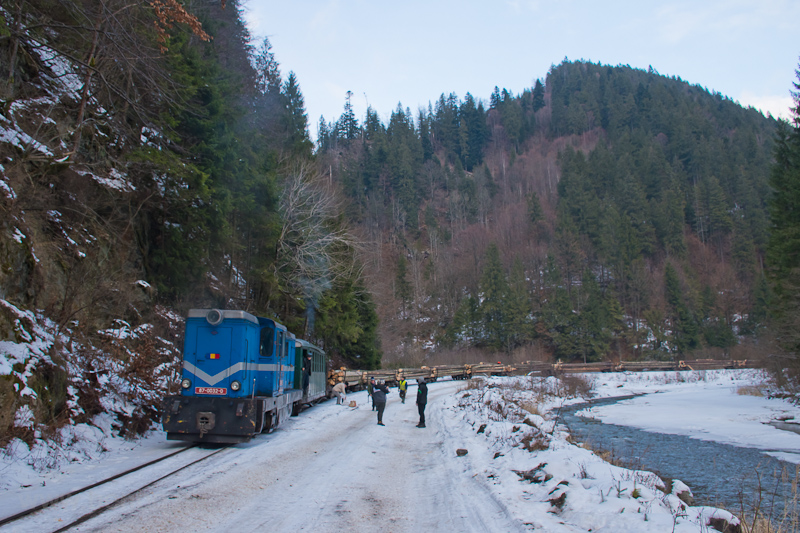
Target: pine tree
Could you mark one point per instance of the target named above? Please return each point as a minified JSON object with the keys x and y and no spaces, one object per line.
{"x":538,"y":95}
{"x":372,"y":125}
{"x":268,"y":73}
{"x":518,"y":308}
{"x":758,"y":316}
{"x":535,"y":212}
{"x":445,"y":127}
{"x":743,"y":251}
{"x":594,"y":331}
{"x":403,"y":160}
{"x":347,"y":324}
{"x":424,"y":125}
{"x":783,"y":248}
{"x":513,"y":122}
{"x":295,"y":118}
{"x":715,"y":329}
{"x":494,"y":100}
{"x":348,"y":124}
{"x":714,"y":202}
{"x":569,"y":249}
{"x":472,"y":120}
{"x":669,"y":216}
{"x":465,"y":326}
{"x":494,"y":293}
{"x":685,"y":332}
{"x":324,"y":135}
{"x":402,"y":288}
{"x":558,"y":323}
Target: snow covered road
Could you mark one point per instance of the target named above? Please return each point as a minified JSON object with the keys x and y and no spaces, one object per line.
{"x":332,"y":468}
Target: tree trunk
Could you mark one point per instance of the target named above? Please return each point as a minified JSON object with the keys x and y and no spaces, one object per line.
{"x":14,"y":47}
{"x":90,"y":67}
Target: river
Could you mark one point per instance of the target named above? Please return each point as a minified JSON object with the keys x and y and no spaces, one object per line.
{"x":719,"y":475}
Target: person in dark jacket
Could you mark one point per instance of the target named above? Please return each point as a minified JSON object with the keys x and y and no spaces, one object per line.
{"x":422,"y":401}
{"x":370,"y":390}
{"x":379,"y":399}
{"x":306,"y":374}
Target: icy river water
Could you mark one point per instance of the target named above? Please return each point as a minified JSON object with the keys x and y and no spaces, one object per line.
{"x":719,"y":475}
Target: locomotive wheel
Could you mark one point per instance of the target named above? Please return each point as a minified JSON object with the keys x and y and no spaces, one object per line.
{"x":273,"y":418}
{"x":268,"y":425}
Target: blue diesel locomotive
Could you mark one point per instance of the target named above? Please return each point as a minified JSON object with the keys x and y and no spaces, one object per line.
{"x":242,"y":375}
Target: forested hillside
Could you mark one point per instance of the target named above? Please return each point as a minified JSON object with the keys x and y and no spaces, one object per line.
{"x":153,"y":159}
{"x":607,"y":212}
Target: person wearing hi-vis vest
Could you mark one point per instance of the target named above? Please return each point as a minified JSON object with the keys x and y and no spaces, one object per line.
{"x":402,"y":385}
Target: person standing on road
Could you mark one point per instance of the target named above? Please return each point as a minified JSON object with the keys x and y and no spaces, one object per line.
{"x":370,"y":390}
{"x":402,"y":386}
{"x":379,"y":400}
{"x":340,"y":390}
{"x":422,"y":400}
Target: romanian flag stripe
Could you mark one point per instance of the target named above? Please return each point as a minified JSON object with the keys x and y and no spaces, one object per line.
{"x":213,"y":356}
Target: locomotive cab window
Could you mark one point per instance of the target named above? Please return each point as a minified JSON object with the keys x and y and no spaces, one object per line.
{"x":281,"y":347}
{"x":267,"y":342}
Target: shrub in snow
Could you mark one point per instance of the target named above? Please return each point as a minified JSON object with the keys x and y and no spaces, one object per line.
{"x":23,"y":418}
{"x":53,"y":380}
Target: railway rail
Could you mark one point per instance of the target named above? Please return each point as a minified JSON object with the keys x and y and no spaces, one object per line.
{"x":41,"y":517}
{"x":358,"y":379}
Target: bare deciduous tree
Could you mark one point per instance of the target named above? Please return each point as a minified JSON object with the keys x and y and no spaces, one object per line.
{"x":314,"y":249}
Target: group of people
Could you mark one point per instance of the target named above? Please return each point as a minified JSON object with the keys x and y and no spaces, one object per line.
{"x":378,"y":390}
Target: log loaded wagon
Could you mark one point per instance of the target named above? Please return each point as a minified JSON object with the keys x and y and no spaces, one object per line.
{"x":241,"y":376}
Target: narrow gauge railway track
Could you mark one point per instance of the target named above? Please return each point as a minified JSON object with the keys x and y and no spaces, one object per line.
{"x":23,"y":518}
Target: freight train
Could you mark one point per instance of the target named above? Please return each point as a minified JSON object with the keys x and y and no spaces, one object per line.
{"x":242,"y":375}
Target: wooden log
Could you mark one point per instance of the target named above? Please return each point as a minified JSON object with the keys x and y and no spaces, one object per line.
{"x":357,"y":379}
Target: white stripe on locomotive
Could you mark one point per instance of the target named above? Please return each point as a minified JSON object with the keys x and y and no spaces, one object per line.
{"x":216,"y":378}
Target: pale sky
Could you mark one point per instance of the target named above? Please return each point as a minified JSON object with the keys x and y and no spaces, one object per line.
{"x":412,"y":51}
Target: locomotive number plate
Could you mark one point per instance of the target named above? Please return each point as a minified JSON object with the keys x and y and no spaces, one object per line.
{"x":219,"y":391}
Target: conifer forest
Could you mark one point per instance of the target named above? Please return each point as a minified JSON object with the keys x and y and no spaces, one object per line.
{"x":153,"y":160}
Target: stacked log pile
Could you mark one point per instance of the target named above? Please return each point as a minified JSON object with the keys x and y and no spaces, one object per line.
{"x":358,"y":379}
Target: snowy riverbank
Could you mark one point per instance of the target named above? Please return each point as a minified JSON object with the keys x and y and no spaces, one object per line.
{"x":723,"y":406}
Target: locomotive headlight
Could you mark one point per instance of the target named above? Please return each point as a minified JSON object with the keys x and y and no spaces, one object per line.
{"x":186,"y":383}
{"x":235,"y":385}
{"x":214,"y":317}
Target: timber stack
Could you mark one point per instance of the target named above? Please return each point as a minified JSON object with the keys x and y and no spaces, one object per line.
{"x":358,"y":379}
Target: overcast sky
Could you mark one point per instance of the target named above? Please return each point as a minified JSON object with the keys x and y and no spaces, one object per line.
{"x":412,"y":51}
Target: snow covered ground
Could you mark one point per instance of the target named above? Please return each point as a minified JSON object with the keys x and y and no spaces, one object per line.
{"x":333,"y":468}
